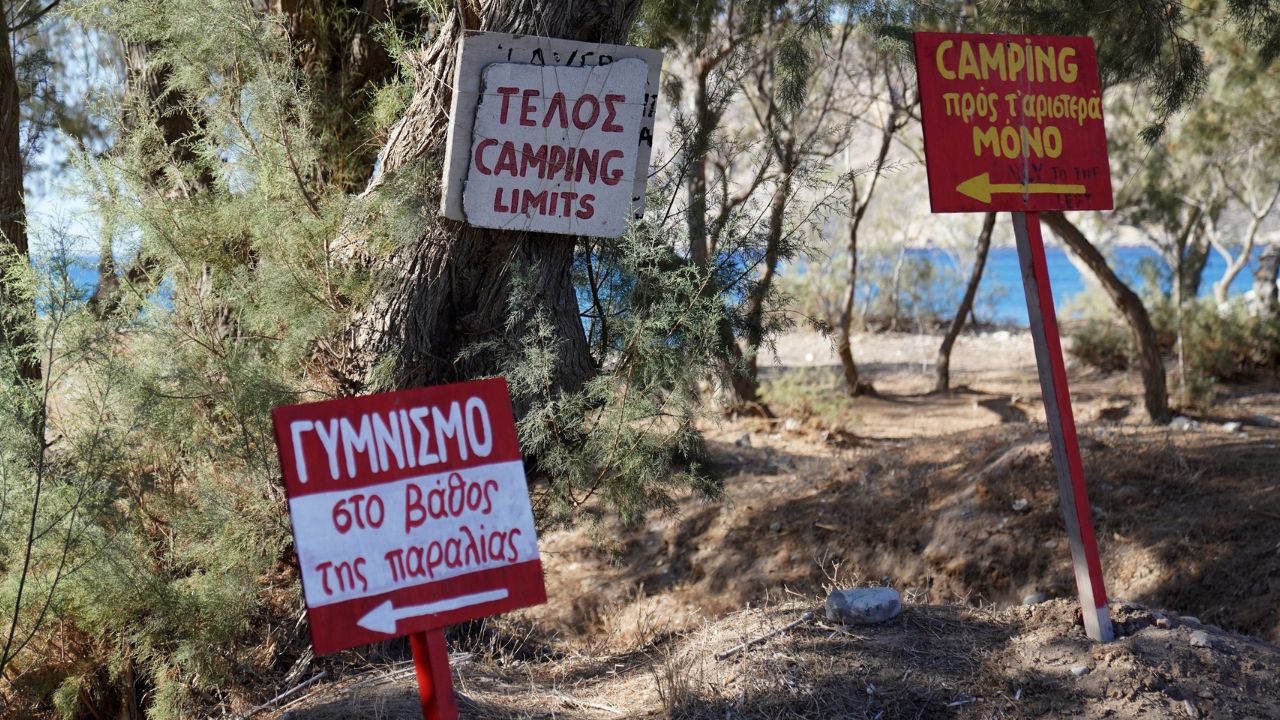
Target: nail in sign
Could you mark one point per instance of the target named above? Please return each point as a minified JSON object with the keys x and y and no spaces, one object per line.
{"x":1012,"y":123}
{"x":410,"y":511}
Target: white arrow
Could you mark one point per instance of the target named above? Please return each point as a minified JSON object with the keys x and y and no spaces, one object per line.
{"x":383,"y":618}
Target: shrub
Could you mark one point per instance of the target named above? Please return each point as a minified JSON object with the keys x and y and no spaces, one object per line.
{"x":1104,"y":344}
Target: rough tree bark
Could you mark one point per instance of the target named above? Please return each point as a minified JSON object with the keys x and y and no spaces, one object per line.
{"x":943,"y":381}
{"x":450,"y":289}
{"x":1150,"y":361}
{"x":1264,"y":280}
{"x":15,"y":322}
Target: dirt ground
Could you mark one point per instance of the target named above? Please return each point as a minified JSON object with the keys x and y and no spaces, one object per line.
{"x":950,"y":498}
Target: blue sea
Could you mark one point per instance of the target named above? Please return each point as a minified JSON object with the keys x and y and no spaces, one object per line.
{"x":1001,"y":288}
{"x":1000,"y":299}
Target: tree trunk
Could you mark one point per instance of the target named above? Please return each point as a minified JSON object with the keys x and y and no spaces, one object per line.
{"x":696,"y":169}
{"x":1195,"y":259}
{"x":844,"y":340}
{"x":943,"y":381}
{"x":740,"y":390}
{"x":773,"y":243}
{"x":16,"y":318}
{"x":151,"y":100}
{"x":1264,"y":281}
{"x":338,"y":52}
{"x":445,"y":311}
{"x":1150,"y":361}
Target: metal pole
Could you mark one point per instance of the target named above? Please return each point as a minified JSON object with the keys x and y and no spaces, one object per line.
{"x":1062,"y":428}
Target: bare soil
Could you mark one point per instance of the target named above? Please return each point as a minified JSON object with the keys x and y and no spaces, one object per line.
{"x":918,"y":491}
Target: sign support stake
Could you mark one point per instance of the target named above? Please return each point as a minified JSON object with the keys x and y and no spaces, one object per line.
{"x":1062,"y":428}
{"x":435,"y":685}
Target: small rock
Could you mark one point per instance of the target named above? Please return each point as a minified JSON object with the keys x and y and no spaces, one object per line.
{"x":1162,"y":621}
{"x":1200,"y":638}
{"x":775,"y":526}
{"x":1188,"y":619}
{"x":791,"y":424}
{"x":744,"y":441}
{"x":1183,"y":424}
{"x":863,"y":606}
{"x":1232,"y":427}
{"x":1265,"y":421}
{"x":1021,"y":505}
{"x":1034,"y":598}
{"x":1206,"y":694}
{"x":1079,"y":670}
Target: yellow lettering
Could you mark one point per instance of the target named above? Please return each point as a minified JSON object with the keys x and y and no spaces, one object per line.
{"x":1016,"y":61}
{"x":1031,"y":142}
{"x":1044,"y":59}
{"x":944,"y":46}
{"x":968,"y":63}
{"x":1009,"y":143}
{"x":992,"y":61}
{"x":1051,"y":134}
{"x":1067,"y":70}
{"x":983,"y":138}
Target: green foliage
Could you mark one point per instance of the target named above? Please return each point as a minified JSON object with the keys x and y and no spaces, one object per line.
{"x":1217,"y":346}
{"x":900,"y":289}
{"x":1223,"y":345}
{"x":627,"y":441}
{"x":181,"y":549}
{"x":1103,"y":343}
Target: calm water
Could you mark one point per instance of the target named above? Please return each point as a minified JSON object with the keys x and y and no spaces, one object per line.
{"x":1011,"y":307}
{"x":1000,"y":297}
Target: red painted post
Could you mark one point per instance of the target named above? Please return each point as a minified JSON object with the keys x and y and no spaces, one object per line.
{"x":1062,"y":428}
{"x":435,"y":685}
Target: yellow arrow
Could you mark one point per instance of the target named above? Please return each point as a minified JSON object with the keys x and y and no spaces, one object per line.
{"x":980,"y":188}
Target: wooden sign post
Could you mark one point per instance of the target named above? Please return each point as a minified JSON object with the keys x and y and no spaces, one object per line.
{"x":1014,"y":123}
{"x":410,"y":512}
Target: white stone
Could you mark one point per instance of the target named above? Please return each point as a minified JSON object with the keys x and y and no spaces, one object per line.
{"x":863,"y":606}
{"x":553,"y":148}
{"x":1079,"y":670}
{"x":1232,"y":427}
{"x":1021,"y":505}
{"x":1200,"y":638}
{"x":1183,"y":424}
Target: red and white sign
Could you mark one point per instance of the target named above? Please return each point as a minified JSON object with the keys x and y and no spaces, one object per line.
{"x":553,"y":148}
{"x":1012,"y":123}
{"x":479,"y":51}
{"x":410,"y":511}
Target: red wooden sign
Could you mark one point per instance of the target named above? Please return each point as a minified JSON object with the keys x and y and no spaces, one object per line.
{"x":410,"y":511}
{"x":1012,"y":123}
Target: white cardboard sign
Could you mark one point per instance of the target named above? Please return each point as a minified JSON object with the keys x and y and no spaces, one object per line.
{"x":553,"y":149}
{"x":489,"y":61}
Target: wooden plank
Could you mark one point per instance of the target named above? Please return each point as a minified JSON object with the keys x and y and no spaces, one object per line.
{"x":481,"y":49}
{"x":1062,"y":428}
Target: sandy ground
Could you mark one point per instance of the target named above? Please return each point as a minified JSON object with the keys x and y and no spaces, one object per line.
{"x":950,"y":498}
